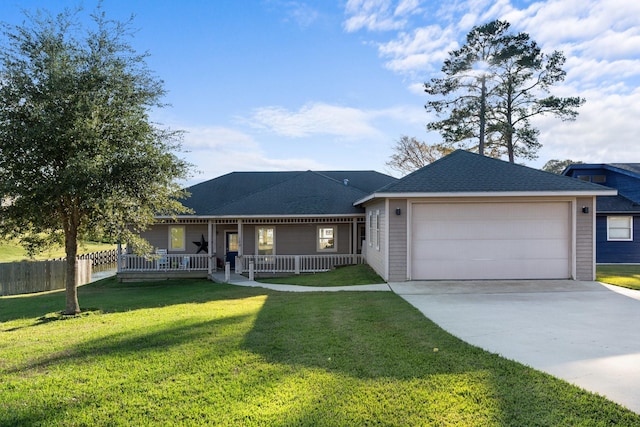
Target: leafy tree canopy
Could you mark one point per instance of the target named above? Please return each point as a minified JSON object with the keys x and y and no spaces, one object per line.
{"x":410,"y":154}
{"x":492,"y":87}
{"x":558,"y":166}
{"x":78,"y":151}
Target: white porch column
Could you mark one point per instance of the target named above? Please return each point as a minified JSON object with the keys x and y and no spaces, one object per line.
{"x":240,"y":238}
{"x":210,"y":234}
{"x":354,"y":238}
{"x":119,"y":257}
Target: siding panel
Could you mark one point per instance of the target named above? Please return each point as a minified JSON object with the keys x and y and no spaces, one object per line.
{"x":398,"y":240}
{"x":585,"y":268}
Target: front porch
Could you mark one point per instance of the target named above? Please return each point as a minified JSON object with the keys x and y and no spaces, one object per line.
{"x":195,"y":266}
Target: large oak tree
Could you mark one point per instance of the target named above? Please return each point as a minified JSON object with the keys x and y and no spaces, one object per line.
{"x":78,"y":151}
{"x":492,"y":87}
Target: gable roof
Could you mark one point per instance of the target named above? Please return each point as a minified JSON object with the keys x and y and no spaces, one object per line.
{"x":284,"y":193}
{"x":462,"y":173}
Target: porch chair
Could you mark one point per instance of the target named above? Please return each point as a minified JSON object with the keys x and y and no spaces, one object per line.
{"x":186,"y":263}
{"x":162,"y":262}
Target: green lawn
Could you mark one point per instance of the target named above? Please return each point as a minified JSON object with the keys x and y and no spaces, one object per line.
{"x":11,"y":251}
{"x":343,"y":276}
{"x":627,"y":276}
{"x":194,"y":352}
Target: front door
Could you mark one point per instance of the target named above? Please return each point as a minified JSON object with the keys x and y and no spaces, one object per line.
{"x":231,"y":248}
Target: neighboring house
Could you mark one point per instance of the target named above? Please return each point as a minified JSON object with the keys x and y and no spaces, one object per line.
{"x":280,"y":221}
{"x":617,"y":217}
{"x":466,"y":216}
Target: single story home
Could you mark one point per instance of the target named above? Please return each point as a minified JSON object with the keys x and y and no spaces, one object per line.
{"x":280,"y":222}
{"x":617,"y":217}
{"x":462,"y":217}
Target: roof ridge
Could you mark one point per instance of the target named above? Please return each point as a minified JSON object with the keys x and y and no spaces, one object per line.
{"x":261,"y":189}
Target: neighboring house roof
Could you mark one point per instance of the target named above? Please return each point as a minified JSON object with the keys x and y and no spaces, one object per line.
{"x":284,"y":193}
{"x":632,"y":169}
{"x":616,"y":204}
{"x":625,"y":201}
{"x":463,"y":173}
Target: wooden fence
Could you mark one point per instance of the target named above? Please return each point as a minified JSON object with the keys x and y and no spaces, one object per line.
{"x":39,"y":276}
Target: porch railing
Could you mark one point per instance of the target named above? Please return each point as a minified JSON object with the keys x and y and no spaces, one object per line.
{"x":168,"y":262}
{"x":294,"y":263}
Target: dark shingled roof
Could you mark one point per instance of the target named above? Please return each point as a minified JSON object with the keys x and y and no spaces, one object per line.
{"x":284,"y":193}
{"x":616,"y":204}
{"x":634,"y":168}
{"x":464,"y":172}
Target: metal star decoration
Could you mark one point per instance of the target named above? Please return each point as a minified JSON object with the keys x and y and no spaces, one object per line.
{"x":202,"y":245}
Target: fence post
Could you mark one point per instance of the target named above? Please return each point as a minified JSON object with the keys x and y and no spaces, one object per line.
{"x":238,"y":265}
{"x":297,"y":264}
{"x":251,"y":270}
{"x":227,"y":272}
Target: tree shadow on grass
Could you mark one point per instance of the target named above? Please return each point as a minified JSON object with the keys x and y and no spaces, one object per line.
{"x":133,"y":348}
{"x":108,"y":295}
{"x":375,"y":336}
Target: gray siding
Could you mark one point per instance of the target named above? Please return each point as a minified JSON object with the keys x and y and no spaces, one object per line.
{"x":298,"y":239}
{"x":585,"y":266}
{"x":397,"y":240}
{"x":158,"y":236}
{"x":376,"y":256}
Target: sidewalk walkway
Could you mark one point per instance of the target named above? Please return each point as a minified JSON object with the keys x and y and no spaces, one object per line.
{"x":239,"y":280}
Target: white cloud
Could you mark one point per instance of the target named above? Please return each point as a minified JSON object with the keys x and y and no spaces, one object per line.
{"x":602,"y":133}
{"x":302,"y":14}
{"x":421,"y":49}
{"x":219,"y":150}
{"x":379,"y":15}
{"x":315,"y":119}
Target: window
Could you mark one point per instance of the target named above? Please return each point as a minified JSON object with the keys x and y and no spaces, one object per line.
{"x":327,"y":239}
{"x":599,"y":179}
{"x":265,"y":240}
{"x":370,"y":229}
{"x":177,"y":238}
{"x":620,"y":228}
{"x":377,"y":229}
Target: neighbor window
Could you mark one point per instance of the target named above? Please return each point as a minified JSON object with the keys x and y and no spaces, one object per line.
{"x":177,"y":238}
{"x":620,"y":228}
{"x":327,"y":239}
{"x":265,"y":240}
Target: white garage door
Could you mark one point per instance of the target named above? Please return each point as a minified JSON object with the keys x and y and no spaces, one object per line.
{"x":490,"y":241}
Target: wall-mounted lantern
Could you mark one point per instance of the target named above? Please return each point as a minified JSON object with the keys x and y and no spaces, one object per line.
{"x":398,"y":211}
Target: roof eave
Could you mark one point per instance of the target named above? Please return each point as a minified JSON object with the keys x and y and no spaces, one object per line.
{"x":427,"y":195}
{"x":277,"y":216}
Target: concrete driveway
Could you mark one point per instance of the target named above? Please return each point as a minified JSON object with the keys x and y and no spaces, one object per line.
{"x":584,"y":332}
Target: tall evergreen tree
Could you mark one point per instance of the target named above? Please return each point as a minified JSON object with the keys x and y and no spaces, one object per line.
{"x":492,"y":87}
{"x":78,"y":151}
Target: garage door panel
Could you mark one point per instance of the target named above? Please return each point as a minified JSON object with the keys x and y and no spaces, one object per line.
{"x":499,"y":249}
{"x":495,"y":270}
{"x":490,"y":240}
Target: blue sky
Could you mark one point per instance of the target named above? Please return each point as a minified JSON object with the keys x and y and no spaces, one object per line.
{"x":325,"y":85}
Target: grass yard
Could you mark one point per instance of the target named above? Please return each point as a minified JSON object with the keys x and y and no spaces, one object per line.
{"x":343,"y":276}
{"x":194,"y":353}
{"x":11,"y":251}
{"x":627,"y":276}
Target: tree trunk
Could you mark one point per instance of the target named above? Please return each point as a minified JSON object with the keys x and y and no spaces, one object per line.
{"x":71,"y":249}
{"x":483,"y":112}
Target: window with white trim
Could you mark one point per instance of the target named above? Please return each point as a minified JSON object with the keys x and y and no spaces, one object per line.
{"x":370,"y":229}
{"x":177,"y":238}
{"x":376,"y":229}
{"x":327,"y":239}
{"x":265,"y":240}
{"x":620,"y":228}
